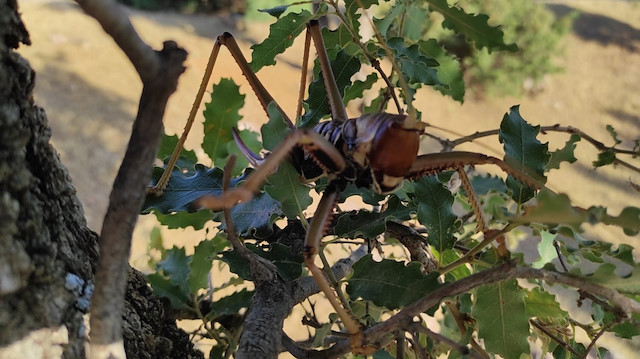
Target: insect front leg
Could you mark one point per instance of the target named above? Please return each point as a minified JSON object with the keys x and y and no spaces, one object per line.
{"x":261,"y":92}
{"x":439,"y":162}
{"x":323,"y":151}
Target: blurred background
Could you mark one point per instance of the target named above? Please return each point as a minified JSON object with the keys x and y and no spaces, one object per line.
{"x":580,"y":66}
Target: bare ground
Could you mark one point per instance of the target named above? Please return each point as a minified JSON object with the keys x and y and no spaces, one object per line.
{"x":90,"y":93}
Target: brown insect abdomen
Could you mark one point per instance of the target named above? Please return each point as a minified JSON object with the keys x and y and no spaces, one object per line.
{"x":394,"y":150}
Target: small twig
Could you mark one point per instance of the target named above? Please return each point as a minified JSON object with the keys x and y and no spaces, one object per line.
{"x":503,"y":272}
{"x":557,"y":128}
{"x":462,"y":349}
{"x":372,"y":59}
{"x":400,"y":344}
{"x":596,"y":337}
{"x":159,"y":72}
{"x":457,"y":316}
{"x":469,"y":256}
{"x":554,"y":338}
{"x":421,"y":353}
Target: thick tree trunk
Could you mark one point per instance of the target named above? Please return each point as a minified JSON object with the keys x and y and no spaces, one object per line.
{"x":47,"y":253}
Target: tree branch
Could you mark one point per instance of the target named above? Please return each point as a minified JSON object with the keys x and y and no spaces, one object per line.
{"x":159,"y":72}
{"x":493,"y":275}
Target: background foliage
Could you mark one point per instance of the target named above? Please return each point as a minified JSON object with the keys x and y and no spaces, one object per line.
{"x":496,"y":318}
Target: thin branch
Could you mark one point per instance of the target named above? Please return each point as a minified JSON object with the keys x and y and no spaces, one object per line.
{"x":489,"y":276}
{"x":462,"y":349}
{"x":555,"y":128}
{"x":555,"y":338}
{"x":596,"y":337}
{"x":115,"y":22}
{"x":159,"y":72}
{"x":469,"y":256}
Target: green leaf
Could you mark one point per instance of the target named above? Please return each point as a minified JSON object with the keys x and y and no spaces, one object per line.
{"x":605,"y":275}
{"x":449,"y":71}
{"x":284,"y":186}
{"x":543,"y":305}
{"x":253,"y":219}
{"x":288,"y":264}
{"x":606,"y":157}
{"x":281,"y":36}
{"x":165,"y":287}
{"x":197,"y":220}
{"x":435,"y":213}
{"x":176,"y":266}
{"x":389,"y":283}
{"x":416,"y":66}
{"x":351,"y":7}
{"x":613,"y":134}
{"x":358,"y":87}
{"x":552,"y":209}
{"x":187,"y":158}
{"x":383,"y":24}
{"x":201,"y":262}
{"x":502,"y":320}
{"x":413,"y":24}
{"x":343,"y":67}
{"x":232,"y":303}
{"x":628,"y":220}
{"x":546,"y":249}
{"x":221,"y":115}
{"x":370,"y":224}
{"x":274,"y":131}
{"x":275,"y":11}
{"x":564,"y":154}
{"x":484,"y":184}
{"x":523,"y":151}
{"x":334,"y":41}
{"x":368,"y":195}
{"x":382,"y":354}
{"x":474,"y":27}
{"x":182,"y":190}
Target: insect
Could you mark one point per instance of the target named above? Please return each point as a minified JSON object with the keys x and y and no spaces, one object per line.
{"x":377,"y":151}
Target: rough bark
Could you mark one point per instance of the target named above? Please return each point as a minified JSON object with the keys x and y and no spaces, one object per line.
{"x":47,"y":253}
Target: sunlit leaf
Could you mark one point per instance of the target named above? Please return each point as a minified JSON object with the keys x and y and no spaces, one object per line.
{"x":221,"y":115}
{"x":543,"y":305}
{"x":474,"y":27}
{"x":183,"y":219}
{"x":281,"y":36}
{"x":606,"y":157}
{"x":201,"y":262}
{"x":605,"y":275}
{"x":564,"y":154}
{"x":546,"y":249}
{"x":449,"y":71}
